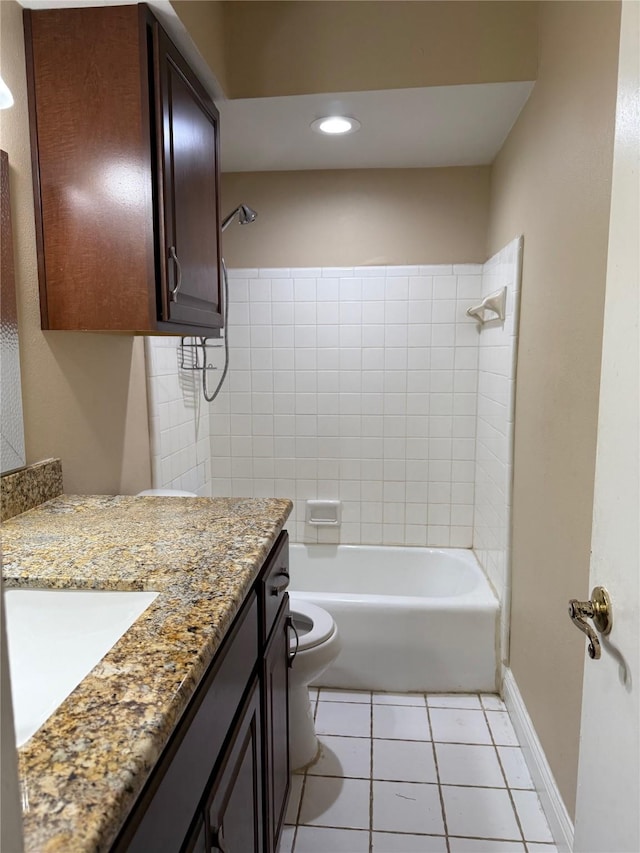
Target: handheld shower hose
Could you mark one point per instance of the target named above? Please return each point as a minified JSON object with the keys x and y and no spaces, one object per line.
{"x":245,"y":216}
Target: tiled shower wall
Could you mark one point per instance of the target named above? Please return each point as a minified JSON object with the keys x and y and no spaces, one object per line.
{"x":179,"y":420}
{"x":357,"y":384}
{"x":360,"y":384}
{"x":495,"y":424}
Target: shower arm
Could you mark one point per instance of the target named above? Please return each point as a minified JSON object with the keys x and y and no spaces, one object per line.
{"x":245,"y":216}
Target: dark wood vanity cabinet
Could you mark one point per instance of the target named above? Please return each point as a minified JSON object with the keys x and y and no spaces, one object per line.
{"x":275,"y":674}
{"x":222,"y":782}
{"x":125,"y":153}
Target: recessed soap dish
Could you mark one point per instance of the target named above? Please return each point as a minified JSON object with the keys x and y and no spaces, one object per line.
{"x":323,"y":513}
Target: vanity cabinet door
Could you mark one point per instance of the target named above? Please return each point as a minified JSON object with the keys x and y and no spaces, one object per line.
{"x":197,"y":842}
{"x":276,"y":727}
{"x":235,"y":805}
{"x":188,"y":182}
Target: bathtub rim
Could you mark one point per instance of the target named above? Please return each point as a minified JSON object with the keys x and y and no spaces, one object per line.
{"x":483,"y":595}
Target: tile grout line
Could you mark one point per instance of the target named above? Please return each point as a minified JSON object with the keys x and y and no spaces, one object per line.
{"x":435,"y":761}
{"x":506,"y":781}
{"x":304,"y":785}
{"x":371,"y":774}
{"x":493,"y":744}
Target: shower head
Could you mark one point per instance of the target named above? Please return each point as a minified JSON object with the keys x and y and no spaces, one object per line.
{"x":245,"y":215}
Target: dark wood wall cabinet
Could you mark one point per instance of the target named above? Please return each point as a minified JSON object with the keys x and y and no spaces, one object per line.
{"x":125,"y":151}
{"x":222,"y":782}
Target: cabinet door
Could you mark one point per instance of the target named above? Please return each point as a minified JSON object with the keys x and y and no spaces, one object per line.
{"x":276,"y":727}
{"x":236,"y":805}
{"x":197,"y":841}
{"x":188,"y":188}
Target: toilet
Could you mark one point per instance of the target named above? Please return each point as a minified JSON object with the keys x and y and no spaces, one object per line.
{"x":316,"y":646}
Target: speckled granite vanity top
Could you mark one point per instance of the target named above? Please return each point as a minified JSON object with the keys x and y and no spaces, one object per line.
{"x":82,"y":771}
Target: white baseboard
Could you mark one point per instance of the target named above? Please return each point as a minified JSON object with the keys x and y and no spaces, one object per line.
{"x":555,"y":810}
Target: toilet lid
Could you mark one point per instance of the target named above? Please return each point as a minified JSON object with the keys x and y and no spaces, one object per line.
{"x":313,"y":624}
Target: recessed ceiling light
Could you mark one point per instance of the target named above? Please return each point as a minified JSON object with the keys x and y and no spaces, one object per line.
{"x":336,"y":125}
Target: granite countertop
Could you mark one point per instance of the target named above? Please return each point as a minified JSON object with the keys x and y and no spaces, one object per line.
{"x":83,"y":769}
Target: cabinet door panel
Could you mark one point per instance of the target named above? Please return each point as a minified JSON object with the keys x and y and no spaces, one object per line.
{"x":189,"y":165}
{"x":276,"y":715}
{"x":236,"y":810}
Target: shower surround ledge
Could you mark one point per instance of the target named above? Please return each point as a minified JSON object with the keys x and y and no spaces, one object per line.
{"x":83,"y":769}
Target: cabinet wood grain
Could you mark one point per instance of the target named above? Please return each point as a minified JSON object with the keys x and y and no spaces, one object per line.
{"x":125,"y":161}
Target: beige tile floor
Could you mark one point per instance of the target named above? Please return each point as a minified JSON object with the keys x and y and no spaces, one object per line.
{"x":414,"y":773}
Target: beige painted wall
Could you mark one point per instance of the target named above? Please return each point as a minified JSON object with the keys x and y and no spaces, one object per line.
{"x":358,"y":217}
{"x":84,"y":396}
{"x":293,"y":48}
{"x":204,"y":21}
{"x":552,"y":182}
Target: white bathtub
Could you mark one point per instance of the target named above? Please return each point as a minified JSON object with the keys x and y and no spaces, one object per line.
{"x":422,"y":619}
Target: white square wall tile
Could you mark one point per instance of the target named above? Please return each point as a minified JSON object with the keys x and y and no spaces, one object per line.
{"x":469,"y":764}
{"x":451,"y":725}
{"x":480,"y":813}
{"x":407,"y":807}
{"x":343,"y":718}
{"x":400,"y":723}
{"x":534,"y":823}
{"x":403,"y":761}
{"x":317,"y":839}
{"x":336,"y":802}
{"x":390,"y":842}
{"x":348,"y":757}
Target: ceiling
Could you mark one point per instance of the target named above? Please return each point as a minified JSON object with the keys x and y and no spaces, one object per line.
{"x":401,"y":128}
{"x":435,"y":126}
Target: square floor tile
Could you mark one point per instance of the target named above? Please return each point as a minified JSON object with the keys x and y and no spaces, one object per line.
{"x":342,"y":718}
{"x":492,"y":702}
{"x":515,"y":767}
{"x":468,"y":764}
{"x":403,"y":761}
{"x":399,"y":699}
{"x":502,"y":729}
{"x":407,"y":807}
{"x":295,"y":792}
{"x":453,"y":725}
{"x":403,"y":723}
{"x":542,"y":848}
{"x":476,"y":845}
{"x":454,"y":700}
{"x":390,"y":842}
{"x":286,"y":839}
{"x":343,"y":756}
{"x":362,"y":697}
{"x":480,"y":813}
{"x":341,"y":803}
{"x":534,"y":823}
{"x":317,"y":839}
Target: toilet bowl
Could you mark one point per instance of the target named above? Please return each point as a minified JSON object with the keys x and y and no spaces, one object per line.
{"x":316,"y":646}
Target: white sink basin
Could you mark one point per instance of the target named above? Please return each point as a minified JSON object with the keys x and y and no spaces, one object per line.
{"x":55,"y":639}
